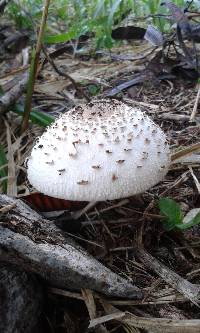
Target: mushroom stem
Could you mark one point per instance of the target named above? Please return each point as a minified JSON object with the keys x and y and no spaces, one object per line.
{"x":185,"y":151}
{"x":78,"y":214}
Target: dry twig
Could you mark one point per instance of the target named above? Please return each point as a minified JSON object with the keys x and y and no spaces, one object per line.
{"x":194,"y":111}
{"x":91,"y":306}
{"x":67,"y":76}
{"x":189,"y":290}
{"x":9,"y":98}
{"x":156,"y":325}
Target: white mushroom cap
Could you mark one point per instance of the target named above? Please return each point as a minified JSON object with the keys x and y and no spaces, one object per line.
{"x":103,"y":150}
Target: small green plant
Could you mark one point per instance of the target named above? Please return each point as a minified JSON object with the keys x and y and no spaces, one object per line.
{"x":69,"y":19}
{"x":96,"y":17}
{"x":94,"y":89}
{"x":25,"y":12}
{"x":174,"y":218}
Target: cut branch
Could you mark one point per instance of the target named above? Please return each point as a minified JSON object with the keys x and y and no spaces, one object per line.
{"x":21,"y":301}
{"x":37,"y":245}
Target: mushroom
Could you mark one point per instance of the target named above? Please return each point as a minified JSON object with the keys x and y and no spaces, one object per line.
{"x":103,"y":150}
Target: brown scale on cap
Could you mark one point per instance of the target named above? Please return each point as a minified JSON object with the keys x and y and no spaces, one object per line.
{"x":96,"y":110}
{"x":114,"y":177}
{"x":123,"y":128}
{"x":145,"y":155}
{"x":120,"y":161}
{"x":60,"y":172}
{"x":76,"y":142}
{"x":117,"y":139}
{"x":96,"y":166}
{"x":72,"y":155}
{"x":83,"y":182}
{"x":50,"y":162}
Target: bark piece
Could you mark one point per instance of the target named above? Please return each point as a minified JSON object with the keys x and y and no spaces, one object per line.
{"x":21,"y":301}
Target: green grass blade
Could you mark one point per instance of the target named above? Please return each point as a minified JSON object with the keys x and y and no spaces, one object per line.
{"x":113,"y":10}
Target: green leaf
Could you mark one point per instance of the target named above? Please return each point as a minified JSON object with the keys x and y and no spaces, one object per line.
{"x":192,"y":223}
{"x":74,"y":33}
{"x":60,"y":38}
{"x":172,"y":212}
{"x":3,"y":170}
{"x":37,"y":117}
